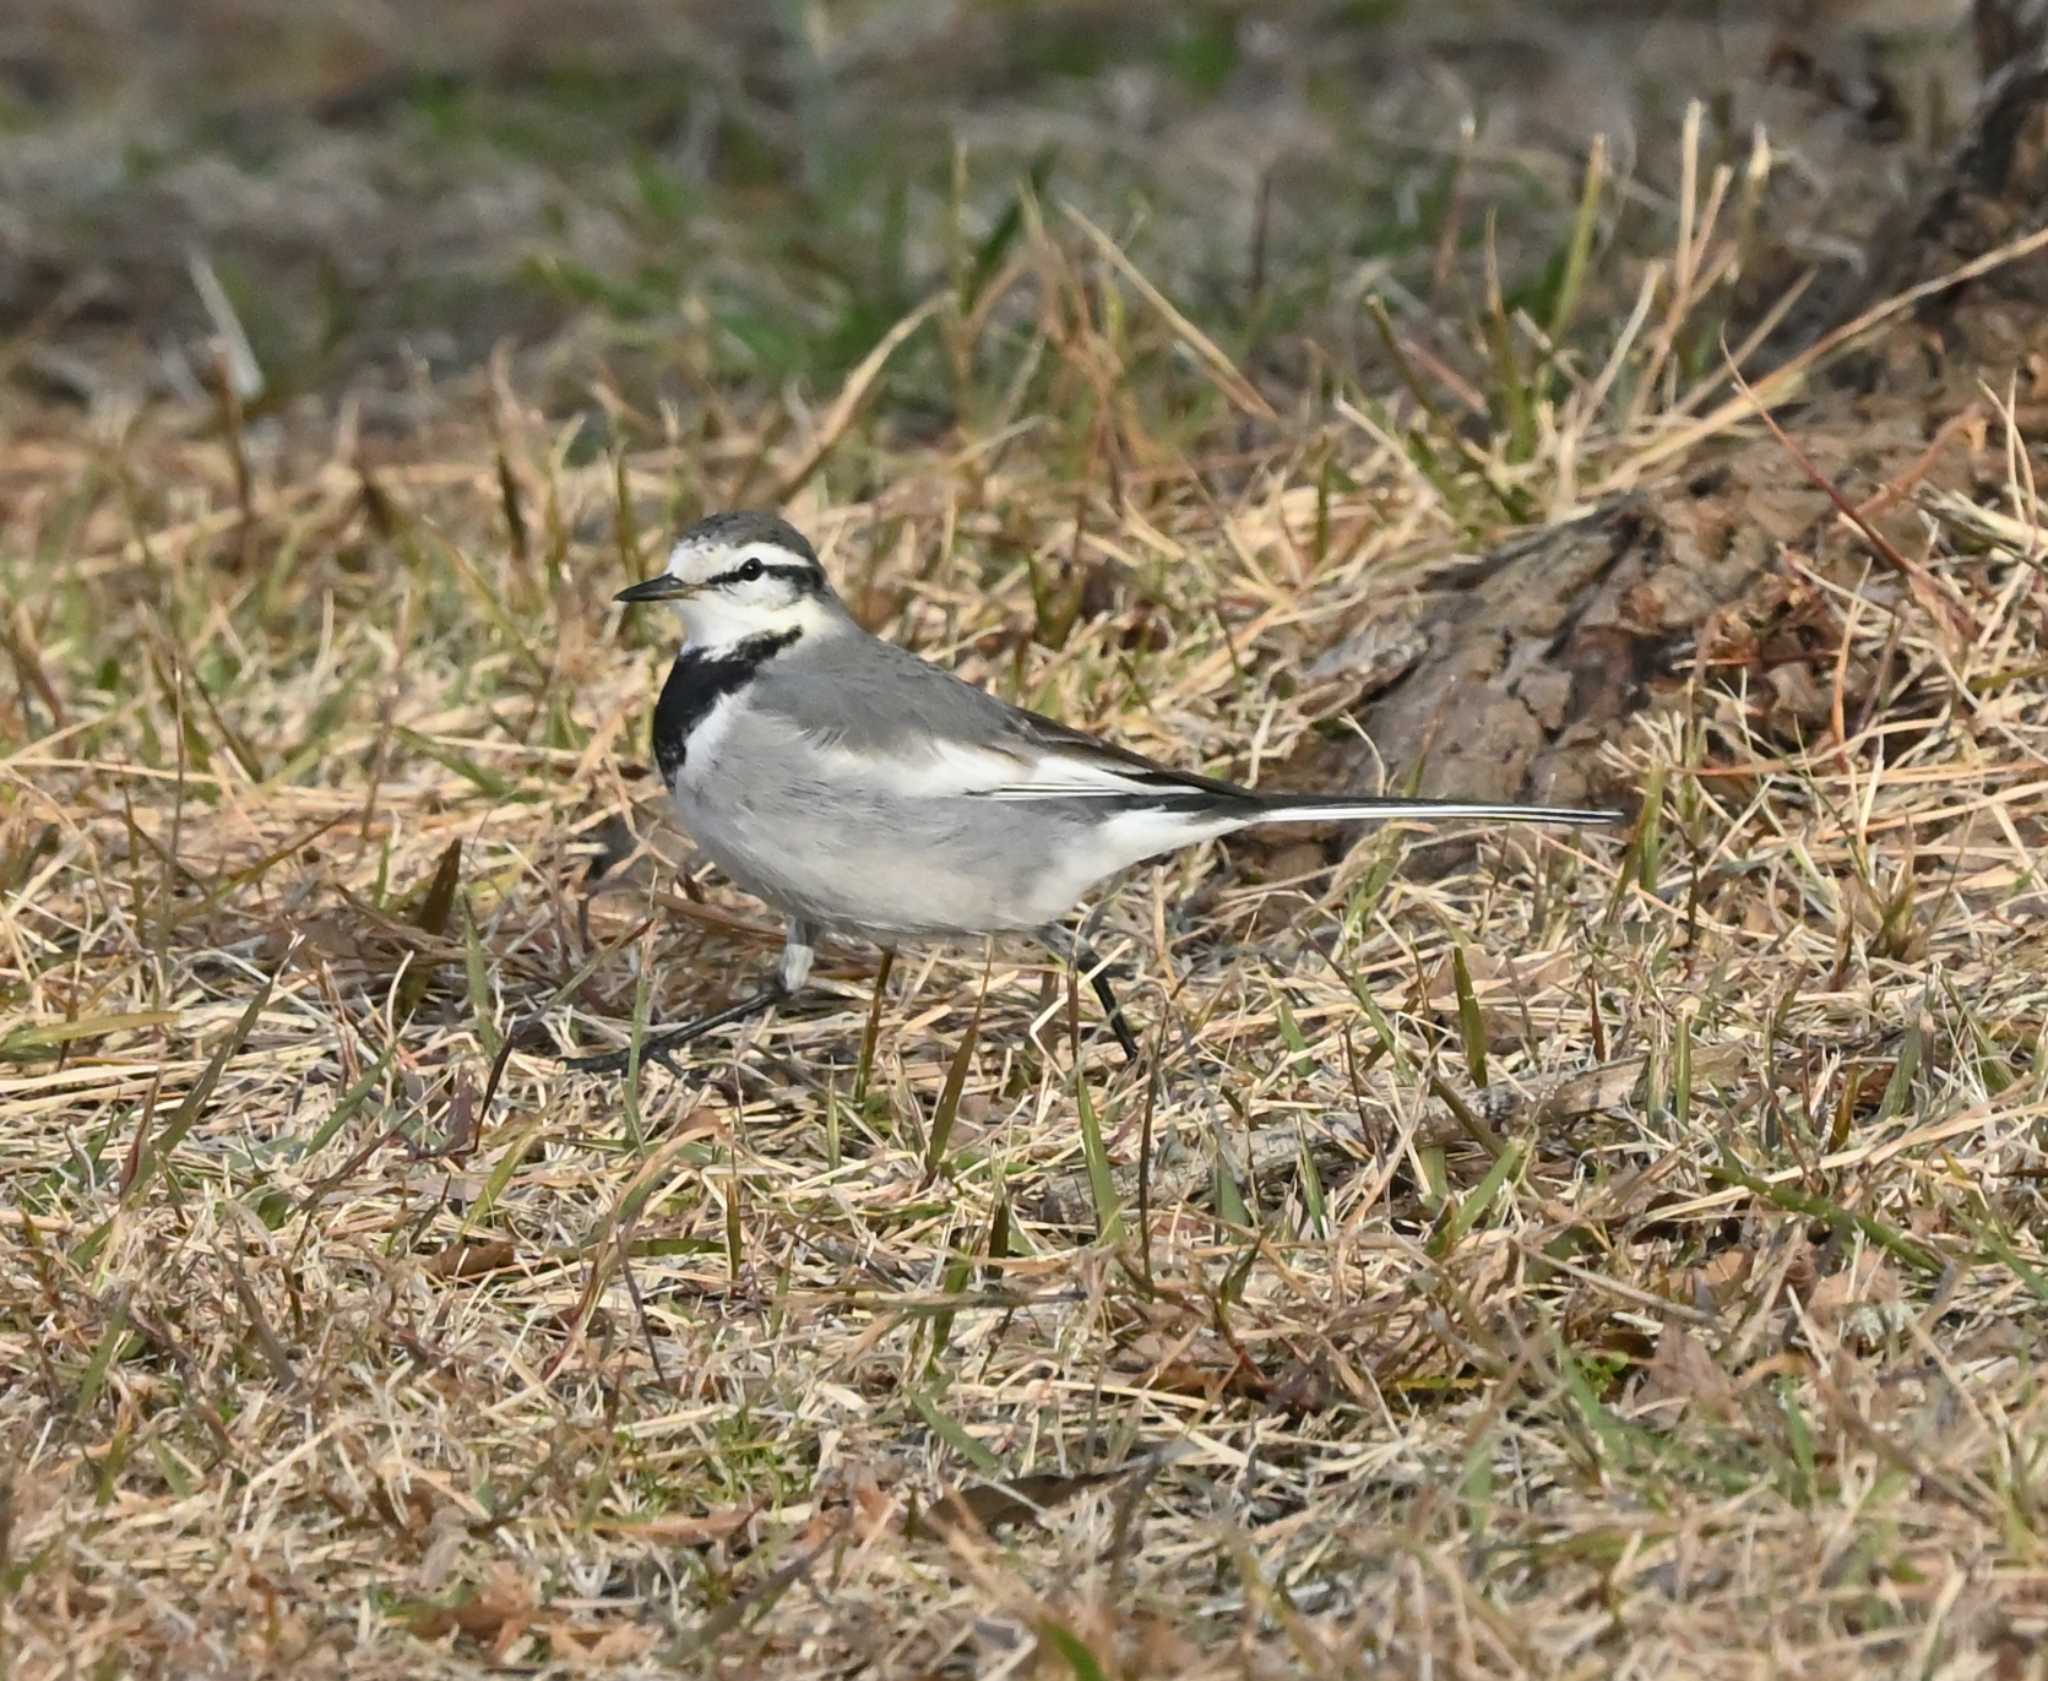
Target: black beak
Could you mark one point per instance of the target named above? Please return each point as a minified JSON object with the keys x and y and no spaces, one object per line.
{"x":661,"y":588}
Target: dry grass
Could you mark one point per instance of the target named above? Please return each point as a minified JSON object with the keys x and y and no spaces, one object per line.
{"x":1607,"y":1257}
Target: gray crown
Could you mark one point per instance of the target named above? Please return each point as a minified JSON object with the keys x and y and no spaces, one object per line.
{"x":746,"y":526}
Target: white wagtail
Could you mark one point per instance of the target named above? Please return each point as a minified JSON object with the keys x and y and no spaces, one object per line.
{"x":863,"y":792}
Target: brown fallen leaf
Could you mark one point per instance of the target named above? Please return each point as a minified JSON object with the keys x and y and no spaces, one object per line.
{"x":1716,"y":1280}
{"x":1682,"y":1371}
{"x":686,"y":1529}
{"x":496,"y":1617}
{"x":582,"y":1646}
{"x":1866,"y":1279}
{"x":1861,"y":1303}
{"x":987,"y":1506}
{"x":467,"y":1260}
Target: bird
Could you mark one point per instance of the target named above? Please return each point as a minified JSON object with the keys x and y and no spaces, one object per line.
{"x":865,"y":793}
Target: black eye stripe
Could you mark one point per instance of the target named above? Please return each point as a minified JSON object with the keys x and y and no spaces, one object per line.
{"x":809,"y":576}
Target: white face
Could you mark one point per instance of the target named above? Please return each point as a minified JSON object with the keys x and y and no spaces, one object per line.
{"x":728,"y":591}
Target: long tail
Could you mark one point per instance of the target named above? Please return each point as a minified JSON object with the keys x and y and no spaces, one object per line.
{"x":1335,"y":808}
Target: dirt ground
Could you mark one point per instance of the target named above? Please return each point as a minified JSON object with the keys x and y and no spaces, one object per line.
{"x":384,"y":192}
{"x":1521,"y":1256}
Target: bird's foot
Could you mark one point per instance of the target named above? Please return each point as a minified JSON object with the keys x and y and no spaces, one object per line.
{"x":662,"y":1047}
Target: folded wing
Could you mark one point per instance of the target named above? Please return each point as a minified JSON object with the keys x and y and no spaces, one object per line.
{"x":922,"y":730}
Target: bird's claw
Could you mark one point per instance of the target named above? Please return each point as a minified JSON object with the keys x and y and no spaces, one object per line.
{"x":617,"y":1062}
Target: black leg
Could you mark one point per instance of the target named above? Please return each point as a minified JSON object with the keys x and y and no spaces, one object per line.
{"x":790,"y":974}
{"x":1086,"y":960}
{"x":662,"y":1047}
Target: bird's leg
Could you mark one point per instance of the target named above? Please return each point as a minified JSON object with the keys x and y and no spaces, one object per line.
{"x":1074,"y":949}
{"x":798,"y":951}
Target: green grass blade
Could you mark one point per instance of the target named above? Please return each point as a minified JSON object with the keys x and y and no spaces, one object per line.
{"x":477,"y":966}
{"x":1231,"y":1207}
{"x":871,"y":1034}
{"x":154,"y":1155}
{"x":1839,"y":1219}
{"x":1070,"y":1646}
{"x":349,"y":1102}
{"x":1290,"y":1031}
{"x":958,"y":1275}
{"x":94,"y":1377}
{"x":482,"y":777}
{"x":508,"y":1163}
{"x":30,"y":1041}
{"x":1312,"y":1193}
{"x":1471,"y":1026}
{"x":1109,"y":1218}
{"x":956,"y":1082}
{"x":954,"y":1434}
{"x":1898,"y":1089}
{"x":437,"y":904}
{"x":1477,"y":1201}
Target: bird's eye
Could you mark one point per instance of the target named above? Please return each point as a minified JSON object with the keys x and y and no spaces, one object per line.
{"x":750,"y":571}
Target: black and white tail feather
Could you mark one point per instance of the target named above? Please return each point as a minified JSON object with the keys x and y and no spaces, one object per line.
{"x":1072,"y":765}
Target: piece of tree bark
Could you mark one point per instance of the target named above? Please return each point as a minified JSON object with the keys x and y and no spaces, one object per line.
{"x":1544,"y":647}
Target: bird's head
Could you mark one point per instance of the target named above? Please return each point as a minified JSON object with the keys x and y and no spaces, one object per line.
{"x":741,"y":575}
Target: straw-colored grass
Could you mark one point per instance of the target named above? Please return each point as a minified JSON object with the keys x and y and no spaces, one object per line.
{"x":1607,"y":1256}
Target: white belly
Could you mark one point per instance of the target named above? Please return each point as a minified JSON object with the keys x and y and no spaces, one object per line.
{"x":837,"y":841}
